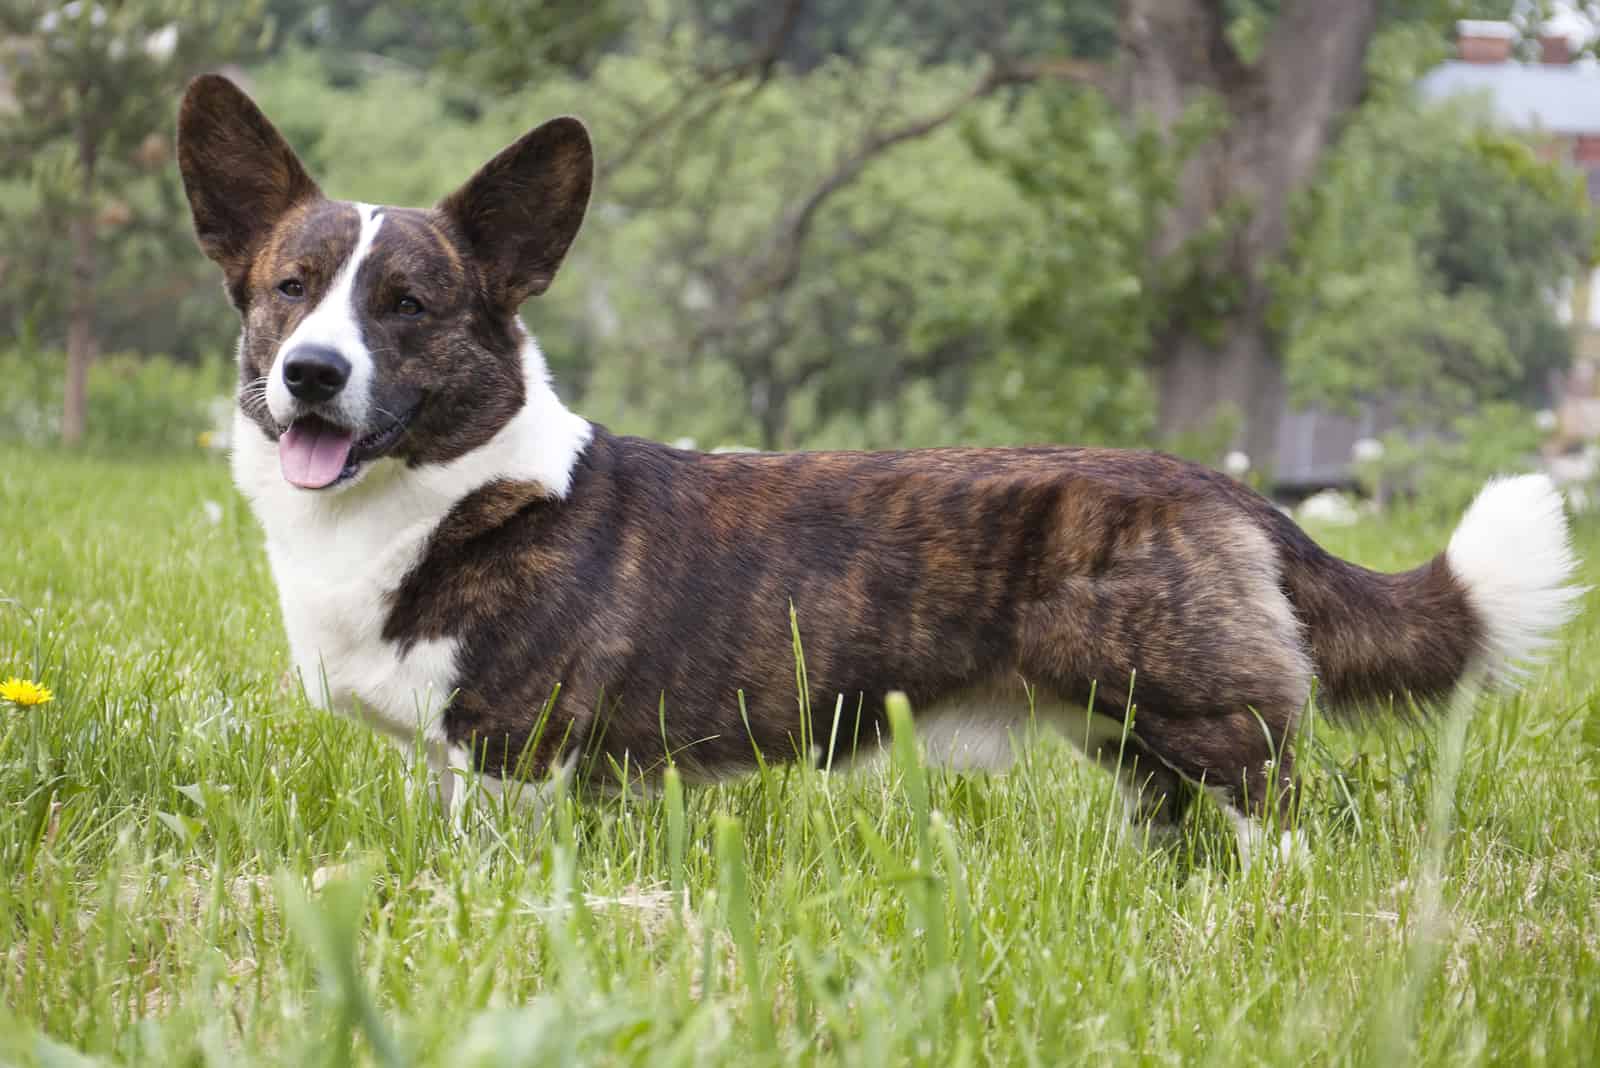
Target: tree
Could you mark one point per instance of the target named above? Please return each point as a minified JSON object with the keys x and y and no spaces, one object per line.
{"x":689,"y":107}
{"x":1279,"y":81}
{"x":796,"y":244}
{"x":1423,"y":265}
{"x":95,"y":89}
{"x":1249,"y":98}
{"x":1270,"y":81}
{"x":825,"y":222}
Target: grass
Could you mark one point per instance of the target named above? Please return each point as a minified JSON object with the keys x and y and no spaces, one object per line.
{"x":197,"y":868}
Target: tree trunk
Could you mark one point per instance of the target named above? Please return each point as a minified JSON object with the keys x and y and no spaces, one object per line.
{"x":81,"y":344}
{"x":1281,"y":111}
{"x":1241,"y":380}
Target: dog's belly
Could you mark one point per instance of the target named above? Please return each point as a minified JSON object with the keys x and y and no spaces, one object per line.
{"x":988,"y":733}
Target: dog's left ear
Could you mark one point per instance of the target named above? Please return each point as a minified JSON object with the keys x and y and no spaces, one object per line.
{"x":521,"y":211}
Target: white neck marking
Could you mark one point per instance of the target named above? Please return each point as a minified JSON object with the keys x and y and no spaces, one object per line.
{"x":337,"y":556}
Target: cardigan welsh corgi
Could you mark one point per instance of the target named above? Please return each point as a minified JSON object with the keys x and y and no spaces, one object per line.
{"x":462,"y":559}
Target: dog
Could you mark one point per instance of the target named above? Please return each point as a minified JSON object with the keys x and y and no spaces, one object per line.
{"x":465,"y":562}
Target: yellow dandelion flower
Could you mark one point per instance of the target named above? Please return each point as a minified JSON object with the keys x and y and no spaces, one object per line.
{"x":203,"y":439}
{"x":23,"y":692}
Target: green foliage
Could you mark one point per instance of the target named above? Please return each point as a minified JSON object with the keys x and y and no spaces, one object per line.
{"x":512,"y":44}
{"x":896,"y":328}
{"x":934,"y":31}
{"x":97,"y":64}
{"x":886,"y":334}
{"x":1080,"y":298}
{"x":993,"y":282}
{"x":1249,"y":22}
{"x":96,"y":89}
{"x":1436,"y":474}
{"x":1424,"y":264}
{"x":494,"y":46}
{"x":353,"y":38}
{"x":141,"y":403}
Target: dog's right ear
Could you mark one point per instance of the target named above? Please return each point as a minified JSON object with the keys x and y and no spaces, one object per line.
{"x":239,"y":173}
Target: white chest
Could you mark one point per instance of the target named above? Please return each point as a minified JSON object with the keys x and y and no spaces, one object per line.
{"x":338,"y":556}
{"x":334,"y":610}
{"x":336,"y":560}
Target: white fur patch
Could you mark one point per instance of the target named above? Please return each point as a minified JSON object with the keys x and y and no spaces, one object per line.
{"x":966,"y":737}
{"x":1097,"y":736}
{"x":336,"y":556}
{"x":336,"y":324}
{"x":1512,"y":553}
{"x":1293,"y":846}
{"x":985,"y":731}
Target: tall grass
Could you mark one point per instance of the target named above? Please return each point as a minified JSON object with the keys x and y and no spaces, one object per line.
{"x":200,"y":869}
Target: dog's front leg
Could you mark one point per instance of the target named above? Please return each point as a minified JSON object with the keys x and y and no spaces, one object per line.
{"x":451,"y":779}
{"x":436,"y":774}
{"x":463,"y":789}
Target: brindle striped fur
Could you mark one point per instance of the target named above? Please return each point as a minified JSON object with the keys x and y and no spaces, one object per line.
{"x":667,"y":576}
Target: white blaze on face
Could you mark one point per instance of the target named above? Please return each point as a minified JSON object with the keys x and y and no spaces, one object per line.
{"x":335,"y":323}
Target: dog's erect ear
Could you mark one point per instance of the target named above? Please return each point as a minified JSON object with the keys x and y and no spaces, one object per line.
{"x":520,"y":212}
{"x":240,"y":175}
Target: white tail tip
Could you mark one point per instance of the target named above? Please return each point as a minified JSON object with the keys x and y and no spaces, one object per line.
{"x":1513,"y":554}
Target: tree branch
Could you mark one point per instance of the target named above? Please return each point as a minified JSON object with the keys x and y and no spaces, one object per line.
{"x":710,"y":82}
{"x":779,"y":263}
{"x":1088,"y":73}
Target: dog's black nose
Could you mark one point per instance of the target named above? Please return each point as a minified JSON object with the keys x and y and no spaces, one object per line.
{"x":314,"y":373}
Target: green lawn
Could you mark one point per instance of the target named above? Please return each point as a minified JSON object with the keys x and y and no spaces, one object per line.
{"x":199,"y":868}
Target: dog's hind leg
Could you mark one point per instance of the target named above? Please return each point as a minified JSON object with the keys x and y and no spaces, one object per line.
{"x":1221,"y":706}
{"x":1244,"y":759}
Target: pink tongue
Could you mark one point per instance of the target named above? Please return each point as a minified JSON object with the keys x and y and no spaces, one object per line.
{"x":312,"y":453}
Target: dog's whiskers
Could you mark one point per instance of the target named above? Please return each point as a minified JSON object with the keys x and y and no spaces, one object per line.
{"x":253,"y":398}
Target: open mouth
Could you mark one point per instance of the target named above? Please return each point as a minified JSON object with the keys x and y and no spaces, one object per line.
{"x":316,"y":453}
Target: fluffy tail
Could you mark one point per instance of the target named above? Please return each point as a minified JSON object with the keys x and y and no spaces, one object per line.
{"x":1512,"y":553}
{"x":1486,"y":607}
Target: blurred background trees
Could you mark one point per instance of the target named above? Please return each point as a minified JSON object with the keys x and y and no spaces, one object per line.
{"x":93,"y":223}
{"x":831,"y":223}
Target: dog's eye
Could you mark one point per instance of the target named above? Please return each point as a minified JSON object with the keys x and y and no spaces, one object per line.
{"x":410,"y":307}
{"x":292,"y":288}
